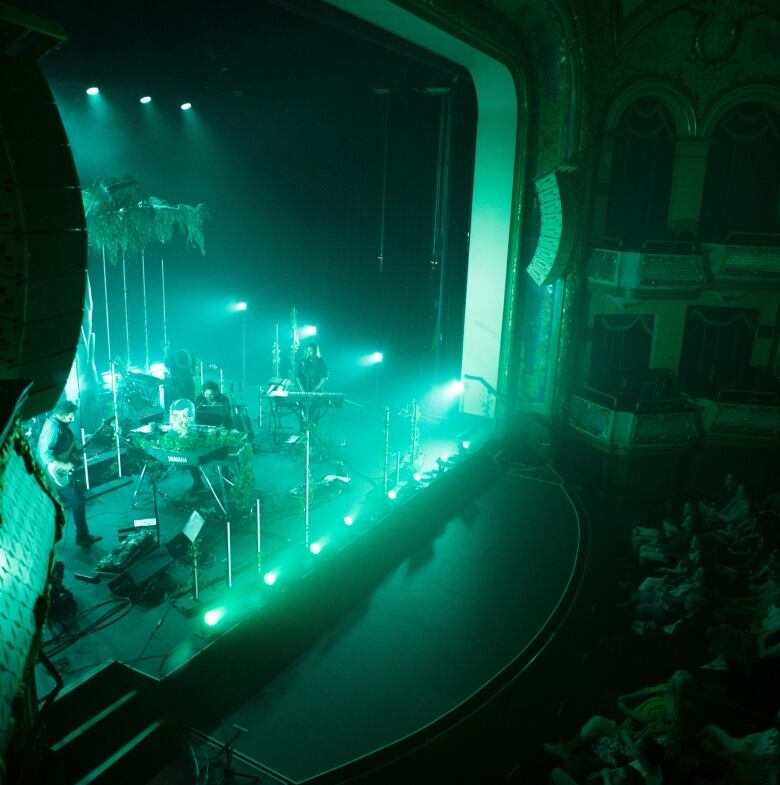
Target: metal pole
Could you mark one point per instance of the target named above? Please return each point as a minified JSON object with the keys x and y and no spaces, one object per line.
{"x":387,"y":451}
{"x":105,"y":292}
{"x":415,"y":446}
{"x":277,"y":356}
{"x":195,"y":587}
{"x":116,"y":422}
{"x":259,"y":557}
{"x":201,"y":374}
{"x":84,"y":456}
{"x":146,"y":311}
{"x":229,"y":554}
{"x":153,"y":475}
{"x":165,"y":315}
{"x":381,"y":255}
{"x":243,"y":350}
{"x":224,"y":509}
{"x":397,"y":468}
{"x":127,"y":317}
{"x":306,"y":484}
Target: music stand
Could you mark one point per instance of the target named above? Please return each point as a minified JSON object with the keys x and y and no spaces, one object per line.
{"x":190,"y":532}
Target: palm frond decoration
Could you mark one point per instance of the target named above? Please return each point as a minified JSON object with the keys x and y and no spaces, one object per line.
{"x":122,"y":221}
{"x":187,"y":219}
{"x":192,"y":222}
{"x":111,"y":206}
{"x":164,"y":220}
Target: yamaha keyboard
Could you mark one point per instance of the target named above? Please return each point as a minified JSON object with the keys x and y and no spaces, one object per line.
{"x":296,"y":397}
{"x":197,"y":457}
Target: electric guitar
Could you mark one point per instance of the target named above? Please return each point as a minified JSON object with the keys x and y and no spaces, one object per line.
{"x":58,"y":472}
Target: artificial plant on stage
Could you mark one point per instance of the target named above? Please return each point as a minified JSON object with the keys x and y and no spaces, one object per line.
{"x":122,"y":221}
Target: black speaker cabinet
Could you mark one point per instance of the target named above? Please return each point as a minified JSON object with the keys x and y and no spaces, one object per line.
{"x":43,"y":238}
{"x":133,"y":579}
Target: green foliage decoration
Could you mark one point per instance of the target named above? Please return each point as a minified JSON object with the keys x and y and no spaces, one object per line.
{"x":241,"y":496}
{"x":123,"y":219}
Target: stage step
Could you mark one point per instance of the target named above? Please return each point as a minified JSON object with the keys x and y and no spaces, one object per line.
{"x":108,"y":729}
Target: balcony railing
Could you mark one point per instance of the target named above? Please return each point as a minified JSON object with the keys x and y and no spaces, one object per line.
{"x":741,"y":416}
{"x":668,"y":425}
{"x":658,"y":270}
{"x":744,"y":264}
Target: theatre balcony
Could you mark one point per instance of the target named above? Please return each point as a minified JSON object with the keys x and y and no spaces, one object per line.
{"x":744,"y":417}
{"x":746,"y":260}
{"x":642,"y":426}
{"x":662,"y":269}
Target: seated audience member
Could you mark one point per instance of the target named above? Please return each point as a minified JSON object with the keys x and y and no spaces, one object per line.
{"x":737,"y":508}
{"x":726,"y":493}
{"x":752,"y":760}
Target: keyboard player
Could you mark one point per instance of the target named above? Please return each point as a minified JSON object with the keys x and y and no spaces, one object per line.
{"x":311,"y":375}
{"x":212,"y":407}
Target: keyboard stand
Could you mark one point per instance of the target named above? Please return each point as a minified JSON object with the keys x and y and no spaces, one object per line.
{"x":146,"y":470}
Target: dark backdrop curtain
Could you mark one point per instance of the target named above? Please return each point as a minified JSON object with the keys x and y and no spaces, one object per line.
{"x":621,"y":351}
{"x":641,"y":174}
{"x":742,"y":185}
{"x":717,"y":348}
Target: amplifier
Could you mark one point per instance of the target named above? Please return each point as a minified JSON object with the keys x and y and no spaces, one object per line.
{"x":142,"y":572}
{"x":100,"y":465}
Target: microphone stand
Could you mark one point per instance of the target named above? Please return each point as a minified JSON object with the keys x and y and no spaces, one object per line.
{"x":228,"y":772}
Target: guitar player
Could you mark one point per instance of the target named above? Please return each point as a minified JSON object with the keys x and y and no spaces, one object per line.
{"x":55,"y":448}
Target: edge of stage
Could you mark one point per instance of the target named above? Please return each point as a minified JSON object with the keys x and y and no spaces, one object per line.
{"x":401,"y":634}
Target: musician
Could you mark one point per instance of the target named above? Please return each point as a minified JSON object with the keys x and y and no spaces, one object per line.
{"x":179,"y":379}
{"x":55,"y":452}
{"x":311,"y":375}
{"x":312,"y":372}
{"x":212,"y":407}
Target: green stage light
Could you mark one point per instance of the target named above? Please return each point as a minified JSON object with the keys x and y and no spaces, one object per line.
{"x":348,"y":520}
{"x":417,"y":477}
{"x":315,"y":548}
{"x":392,"y":494}
{"x":213,"y":617}
{"x":307,"y":331}
{"x":270,"y":577}
{"x":465,"y":444}
{"x":146,"y":99}
{"x":186,"y":105}
{"x":93,"y":90}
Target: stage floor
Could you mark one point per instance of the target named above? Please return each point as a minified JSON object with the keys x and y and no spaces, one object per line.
{"x":439,"y":628}
{"x":444,"y":622}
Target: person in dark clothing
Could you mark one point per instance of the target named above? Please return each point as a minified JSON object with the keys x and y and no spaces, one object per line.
{"x":312,"y":372}
{"x":212,"y":407}
{"x":311,"y":375}
{"x":180,"y":376}
{"x":726,"y":493}
{"x":55,"y":452}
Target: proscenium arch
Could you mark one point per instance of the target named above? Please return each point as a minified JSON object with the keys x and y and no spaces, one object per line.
{"x":672,"y":98}
{"x":768,"y":95}
{"x":497,"y":186}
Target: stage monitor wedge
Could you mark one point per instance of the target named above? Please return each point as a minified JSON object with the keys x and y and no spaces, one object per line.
{"x":43,"y":238}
